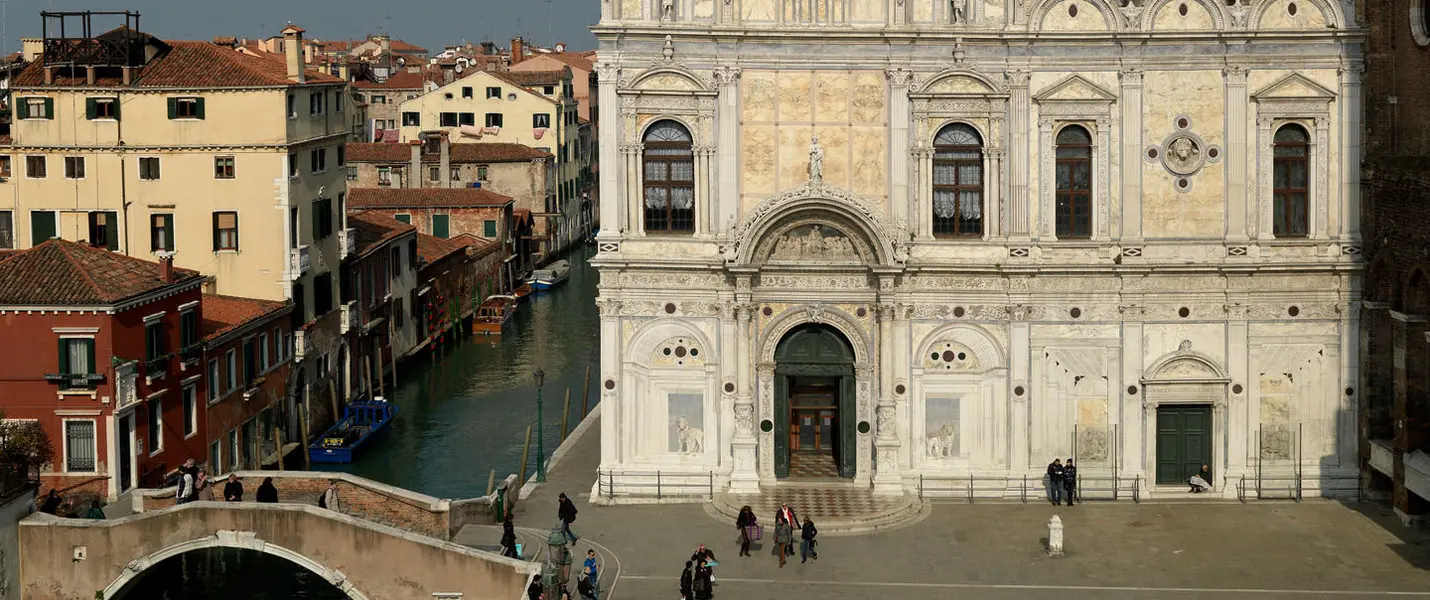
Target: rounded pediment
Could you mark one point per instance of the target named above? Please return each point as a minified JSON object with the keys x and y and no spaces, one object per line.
{"x":814,"y":237}
{"x":816,"y":224}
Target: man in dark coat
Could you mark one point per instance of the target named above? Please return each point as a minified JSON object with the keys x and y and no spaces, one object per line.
{"x":534,"y":591}
{"x":567,"y":512}
{"x":1055,"y":482}
{"x":1070,"y":481}
{"x":508,"y":538}
{"x":687,"y":581}
{"x":233,"y":490}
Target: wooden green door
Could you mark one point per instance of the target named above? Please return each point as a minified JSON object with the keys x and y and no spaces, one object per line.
{"x":1184,"y":441}
{"x":781,"y":426}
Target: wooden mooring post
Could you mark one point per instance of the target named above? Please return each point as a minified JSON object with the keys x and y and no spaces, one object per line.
{"x":586,"y":393}
{"x":565,"y":412}
{"x":525,"y":447}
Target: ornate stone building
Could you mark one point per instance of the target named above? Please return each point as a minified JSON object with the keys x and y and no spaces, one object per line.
{"x":900,"y":242}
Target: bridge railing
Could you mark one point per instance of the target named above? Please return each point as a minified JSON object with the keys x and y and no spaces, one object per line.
{"x":660,"y":485}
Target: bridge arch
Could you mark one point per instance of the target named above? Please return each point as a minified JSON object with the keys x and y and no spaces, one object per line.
{"x":244,"y":540}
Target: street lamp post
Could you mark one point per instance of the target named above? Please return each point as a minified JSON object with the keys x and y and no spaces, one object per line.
{"x":539,"y":376}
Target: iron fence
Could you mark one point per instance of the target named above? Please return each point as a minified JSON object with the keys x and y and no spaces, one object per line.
{"x":973,"y":488}
{"x":656,"y":484}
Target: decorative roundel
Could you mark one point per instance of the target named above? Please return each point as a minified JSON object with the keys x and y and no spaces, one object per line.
{"x":729,"y":387}
{"x":1184,"y":184}
{"x":1236,"y":389}
{"x":669,"y":308}
{"x":958,"y":311}
{"x":1131,"y":390}
{"x":863,"y":426}
{"x":767,"y":311}
{"x":899,"y":389}
{"x":677,"y":352}
{"x":861,"y":312}
{"x":1018,"y":391}
{"x":1075,"y":312}
{"x":1182,"y":10}
{"x":1183,"y":122}
{"x":950,"y":356}
{"x":1291,"y":9}
{"x":1184,"y":312}
{"x":1154,"y":154}
{"x":1293,"y":311}
{"x":1350,"y":391}
{"x":1213,"y":153}
{"x":610,"y":384}
{"x":767,"y":426}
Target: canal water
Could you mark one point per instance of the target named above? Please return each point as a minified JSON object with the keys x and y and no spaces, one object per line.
{"x":464,"y":410}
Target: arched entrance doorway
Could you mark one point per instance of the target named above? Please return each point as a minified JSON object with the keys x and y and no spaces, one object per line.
{"x":814,"y":404}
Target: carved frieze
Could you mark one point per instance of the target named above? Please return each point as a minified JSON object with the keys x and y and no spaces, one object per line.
{"x":814,"y":282}
{"x":664,"y":280}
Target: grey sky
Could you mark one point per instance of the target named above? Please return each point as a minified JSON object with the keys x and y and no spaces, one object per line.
{"x":428,"y":23}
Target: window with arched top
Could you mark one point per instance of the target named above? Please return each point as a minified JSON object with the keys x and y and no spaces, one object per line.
{"x":957,"y":181}
{"x":1291,"y":151}
{"x":668,"y":166}
{"x":1073,"y":211}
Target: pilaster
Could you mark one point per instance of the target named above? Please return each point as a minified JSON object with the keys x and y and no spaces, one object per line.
{"x":1019,"y":351}
{"x":727,"y":119}
{"x":1238,"y":365}
{"x":1131,"y":136}
{"x":1350,"y":129}
{"x":610,"y":154}
{"x":1133,"y":404}
{"x":612,"y":414}
{"x":744,"y":478}
{"x":886,"y":440}
{"x":1019,"y":107}
{"x":899,"y":80}
{"x":1237,"y":153}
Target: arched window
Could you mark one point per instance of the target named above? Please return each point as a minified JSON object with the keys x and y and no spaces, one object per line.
{"x":1074,"y":174}
{"x":957,"y":181}
{"x":1291,"y":150}
{"x":669,"y":178}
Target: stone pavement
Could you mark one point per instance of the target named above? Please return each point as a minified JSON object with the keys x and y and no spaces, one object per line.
{"x":1222,"y":551}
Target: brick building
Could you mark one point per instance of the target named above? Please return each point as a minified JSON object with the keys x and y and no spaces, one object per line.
{"x":247,"y":359}
{"x":449,"y":212}
{"x":102,"y":351}
{"x":1395,"y":341}
{"x":379,"y":299}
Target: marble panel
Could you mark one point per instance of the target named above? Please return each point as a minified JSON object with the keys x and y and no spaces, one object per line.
{"x":758,"y":159}
{"x":1279,"y":15}
{"x":759,"y":95}
{"x":630,"y":9}
{"x":870,"y":162}
{"x":993,"y":10}
{"x":869,"y":99}
{"x":792,"y":158}
{"x":1079,"y":332}
{"x":642,"y":119}
{"x":867,"y":11}
{"x":923,"y":11}
{"x":1075,"y":15}
{"x":667,"y":81}
{"x":686,"y":433}
{"x":704,"y":9}
{"x":837,"y":151}
{"x":1161,"y":339}
{"x":1199,"y":212}
{"x":758,"y":10}
{"x":1170,"y":18}
{"x":1091,"y":411}
{"x":832,"y":96}
{"x":795,"y":101}
{"x":1297,"y":328}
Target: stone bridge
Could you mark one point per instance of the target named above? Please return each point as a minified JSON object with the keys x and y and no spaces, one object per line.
{"x":397,"y":552}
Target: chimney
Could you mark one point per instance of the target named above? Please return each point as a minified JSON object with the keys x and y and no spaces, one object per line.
{"x":445,"y":162}
{"x":518,"y":48}
{"x":166,"y":266}
{"x":414,"y":170}
{"x":343,"y":70}
{"x":386,"y":43}
{"x":293,"y":52}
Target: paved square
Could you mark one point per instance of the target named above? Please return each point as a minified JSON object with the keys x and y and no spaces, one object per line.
{"x":1316,"y":549}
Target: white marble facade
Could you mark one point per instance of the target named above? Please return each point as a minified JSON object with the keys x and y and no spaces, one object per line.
{"x":989,"y":353}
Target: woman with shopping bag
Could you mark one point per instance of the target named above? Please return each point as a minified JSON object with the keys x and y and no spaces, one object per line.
{"x":748,"y":528}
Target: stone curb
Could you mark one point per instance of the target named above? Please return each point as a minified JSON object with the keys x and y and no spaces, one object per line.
{"x":587,"y":423}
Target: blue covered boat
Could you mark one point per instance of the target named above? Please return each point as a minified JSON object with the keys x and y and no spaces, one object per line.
{"x":362,"y":420}
{"x":545,"y":279}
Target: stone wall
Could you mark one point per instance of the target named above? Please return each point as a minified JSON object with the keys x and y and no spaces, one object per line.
{"x":11,"y":512}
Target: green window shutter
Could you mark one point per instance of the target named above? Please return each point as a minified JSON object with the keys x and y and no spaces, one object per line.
{"x":89,"y":354}
{"x":215,"y":215}
{"x":49,"y":108}
{"x":439,"y":225}
{"x":317,"y":220}
{"x":42,"y":227}
{"x":64,"y":356}
{"x":111,"y":231}
{"x":91,"y":108}
{"x":116,"y":109}
{"x":173,"y":108}
{"x":199,"y":106}
{"x":22,"y":108}
{"x":489,"y":228}
{"x":403,"y":217}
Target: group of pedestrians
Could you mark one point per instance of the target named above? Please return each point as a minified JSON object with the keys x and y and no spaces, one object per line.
{"x":1062,"y":482}
{"x":588,"y":583}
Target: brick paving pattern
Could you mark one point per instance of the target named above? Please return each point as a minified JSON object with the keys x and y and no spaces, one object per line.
{"x":809,"y":465}
{"x":817,"y":503}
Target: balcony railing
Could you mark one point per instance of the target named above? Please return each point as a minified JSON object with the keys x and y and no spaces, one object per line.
{"x":156,"y":367}
{"x":301,"y":261}
{"x":75,"y":381}
{"x":347,"y":242}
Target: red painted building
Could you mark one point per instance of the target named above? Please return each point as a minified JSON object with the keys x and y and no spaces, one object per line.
{"x":247,"y":359}
{"x":102,"y":350}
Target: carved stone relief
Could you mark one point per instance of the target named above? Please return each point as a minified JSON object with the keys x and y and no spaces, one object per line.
{"x":815,"y":242}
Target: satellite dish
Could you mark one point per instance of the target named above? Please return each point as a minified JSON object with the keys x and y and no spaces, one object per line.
{"x":458,"y":68}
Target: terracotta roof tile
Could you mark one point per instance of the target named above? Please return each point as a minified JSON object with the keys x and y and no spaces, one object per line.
{"x":424,"y":197}
{"x":223,"y":314}
{"x":5,"y":140}
{"x":63,"y":273}
{"x":401,"y":80}
{"x":373,"y":229}
{"x":187,"y":64}
{"x":531,"y":78}
{"x":493,"y":152}
{"x":432,"y":248}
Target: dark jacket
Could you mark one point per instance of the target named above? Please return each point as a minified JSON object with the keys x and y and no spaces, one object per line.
{"x":687,"y":582}
{"x":808,"y":531}
{"x":745,"y":520}
{"x":704,"y":588}
{"x":567,"y":511}
{"x":584,"y":588}
{"x":534,"y":591}
{"x":233,"y":491}
{"x":267,"y":493}
{"x":1069,"y":476}
{"x":508,"y":535}
{"x":1055,"y":472}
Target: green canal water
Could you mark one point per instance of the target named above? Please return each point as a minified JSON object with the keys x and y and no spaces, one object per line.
{"x":462,"y":411}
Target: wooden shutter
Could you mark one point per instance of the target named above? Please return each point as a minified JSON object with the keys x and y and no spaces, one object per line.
{"x":91,"y":108}
{"x":317,"y":220}
{"x":173,"y":108}
{"x":64,"y":356}
{"x":42,"y":227}
{"x":115,"y":104}
{"x":49,"y":108}
{"x":111,"y":231}
{"x":199,"y":107}
{"x":439,"y":225}
{"x":89,"y":355}
{"x":22,"y":107}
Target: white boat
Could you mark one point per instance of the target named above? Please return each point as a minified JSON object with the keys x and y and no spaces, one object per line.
{"x":551,"y":276}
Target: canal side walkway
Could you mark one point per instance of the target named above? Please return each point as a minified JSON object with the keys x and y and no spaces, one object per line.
{"x":1314,"y":549}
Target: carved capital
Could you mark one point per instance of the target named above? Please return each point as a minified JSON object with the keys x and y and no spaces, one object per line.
{"x":608,"y":307}
{"x":1018,"y":78}
{"x":886,"y":312}
{"x":744,"y":312}
{"x":726,"y":75}
{"x":608,"y":73}
{"x":1354,"y":68}
{"x":899,"y":78}
{"x":1235,"y":74}
{"x":1131,"y":76}
{"x":1046,"y":124}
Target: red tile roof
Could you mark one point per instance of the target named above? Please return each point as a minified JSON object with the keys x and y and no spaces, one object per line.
{"x":533,"y":78}
{"x":186,"y":65}
{"x":424,"y":197}
{"x":223,"y":314}
{"x":493,"y":152}
{"x":576,"y":60}
{"x":432,"y":249}
{"x":63,"y":273}
{"x":373,"y":229}
{"x":401,"y":80}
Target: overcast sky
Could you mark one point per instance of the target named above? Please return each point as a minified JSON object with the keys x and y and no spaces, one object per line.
{"x":428,"y":23}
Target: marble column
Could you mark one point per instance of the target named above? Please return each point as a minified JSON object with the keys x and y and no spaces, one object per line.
{"x":1238,"y":366}
{"x":609,"y":194}
{"x":1019,"y":352}
{"x":727,"y":122}
{"x":1346,"y":408}
{"x":993,"y":183}
{"x":922,"y":210}
{"x":702,"y":180}
{"x":886,"y":435}
{"x":1258,"y":200}
{"x":899,"y":80}
{"x":1133,"y":420}
{"x":1131,"y":136}
{"x":744,"y":478}
{"x":1040,"y":213}
{"x":1238,"y":154}
{"x":1350,"y":103}
{"x":1018,"y":110}
{"x":611,"y":410}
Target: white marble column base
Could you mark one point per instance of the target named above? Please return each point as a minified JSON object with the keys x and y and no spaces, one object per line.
{"x":745,"y":477}
{"x":887,"y":481}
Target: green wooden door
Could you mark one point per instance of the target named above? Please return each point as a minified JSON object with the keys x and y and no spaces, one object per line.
{"x":1184,"y":442}
{"x":781,"y":426}
{"x":845,"y":450}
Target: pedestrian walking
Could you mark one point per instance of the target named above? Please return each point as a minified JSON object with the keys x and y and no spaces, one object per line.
{"x":687,"y":581}
{"x":566,"y":510}
{"x":52,"y":502}
{"x":1055,"y":482}
{"x":329,"y":499}
{"x":706,"y":556}
{"x":534,"y":591}
{"x":592,"y":570}
{"x":747,"y":524}
{"x":1070,"y":481}
{"x":95,"y":511}
{"x":806,"y":541}
{"x":233,"y":490}
{"x":786,"y":514}
{"x":783,"y":537}
{"x":585,"y":587}
{"x":508,"y":538}
{"x":266,"y":491}
{"x":704,"y":581}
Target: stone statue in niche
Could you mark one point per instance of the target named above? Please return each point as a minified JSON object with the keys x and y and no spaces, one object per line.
{"x":941,"y":442}
{"x":690,"y":438}
{"x":813,"y":245}
{"x":816,"y":160}
{"x":958,"y":9}
{"x":667,"y":10}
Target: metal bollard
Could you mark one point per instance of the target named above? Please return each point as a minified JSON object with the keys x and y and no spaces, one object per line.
{"x":1055,"y":536}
